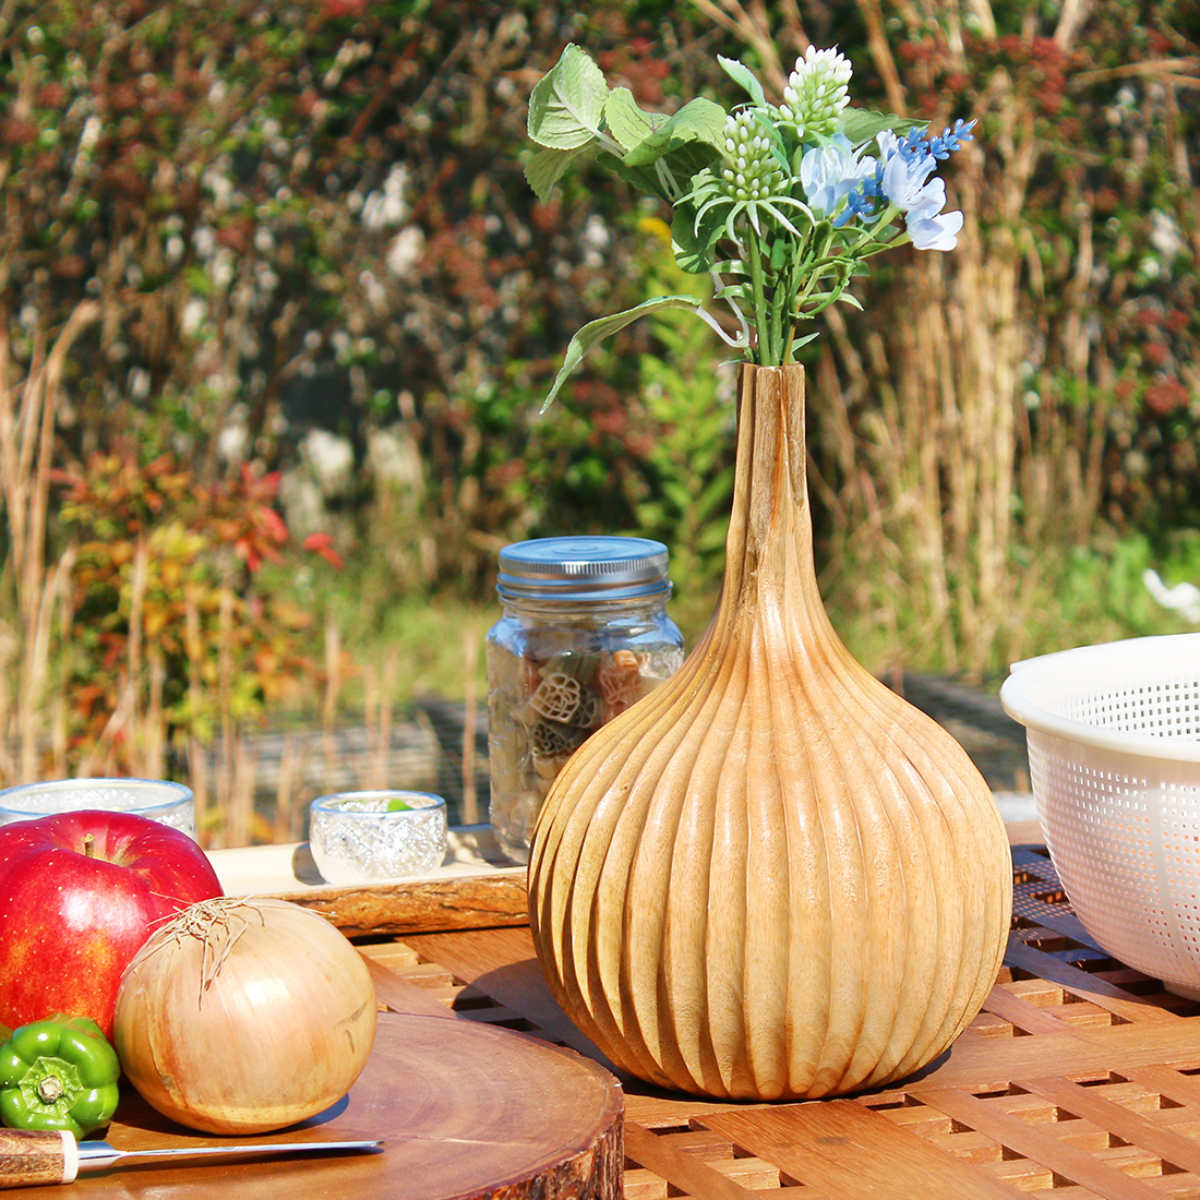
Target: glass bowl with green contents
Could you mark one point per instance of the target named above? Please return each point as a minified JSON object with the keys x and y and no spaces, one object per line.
{"x":361,"y":837}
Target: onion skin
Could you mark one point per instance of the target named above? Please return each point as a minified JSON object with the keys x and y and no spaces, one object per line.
{"x":244,"y":1016}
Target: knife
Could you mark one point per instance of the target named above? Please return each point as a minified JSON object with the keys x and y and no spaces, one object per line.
{"x":28,"y":1157}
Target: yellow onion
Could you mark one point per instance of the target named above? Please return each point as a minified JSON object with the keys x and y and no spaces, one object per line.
{"x":244,"y":1015}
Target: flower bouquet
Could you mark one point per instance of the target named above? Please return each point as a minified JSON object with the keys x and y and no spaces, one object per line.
{"x":780,"y":203}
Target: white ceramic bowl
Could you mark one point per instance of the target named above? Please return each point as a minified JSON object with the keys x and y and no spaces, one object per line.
{"x":355,"y":837}
{"x":158,"y":799}
{"x":1113,"y":733}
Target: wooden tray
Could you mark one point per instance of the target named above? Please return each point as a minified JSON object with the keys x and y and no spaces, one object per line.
{"x":475,"y":887}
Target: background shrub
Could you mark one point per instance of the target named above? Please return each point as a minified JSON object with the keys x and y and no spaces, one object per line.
{"x":242,"y":238}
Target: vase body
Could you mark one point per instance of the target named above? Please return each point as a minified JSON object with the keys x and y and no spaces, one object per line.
{"x":772,"y":877}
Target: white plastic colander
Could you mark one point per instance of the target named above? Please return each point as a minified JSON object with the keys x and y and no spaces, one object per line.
{"x":1114,"y":758}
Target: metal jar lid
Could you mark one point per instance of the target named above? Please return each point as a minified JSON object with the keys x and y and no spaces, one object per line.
{"x":583,"y":569}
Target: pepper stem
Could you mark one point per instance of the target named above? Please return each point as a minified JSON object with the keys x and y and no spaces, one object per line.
{"x":50,"y":1088}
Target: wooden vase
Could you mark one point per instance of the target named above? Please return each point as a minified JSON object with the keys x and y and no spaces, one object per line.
{"x":772,"y":877}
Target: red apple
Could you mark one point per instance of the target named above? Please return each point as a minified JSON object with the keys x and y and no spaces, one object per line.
{"x":79,"y":894}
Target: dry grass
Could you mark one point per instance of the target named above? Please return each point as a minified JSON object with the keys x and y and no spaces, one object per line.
{"x":235,"y":805}
{"x":939,"y":475}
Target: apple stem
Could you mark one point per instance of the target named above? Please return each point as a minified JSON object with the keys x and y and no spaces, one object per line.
{"x":89,"y":845}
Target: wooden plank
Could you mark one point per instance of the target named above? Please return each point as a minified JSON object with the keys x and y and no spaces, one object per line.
{"x":1087,"y":986}
{"x":684,"y":1172}
{"x":848,"y":1150}
{"x":1091,"y":1104}
{"x":984,"y":1064}
{"x":1019,"y":1012}
{"x":1166,"y":1081}
{"x":398,"y":995}
{"x":501,"y":964}
{"x":1039,"y":1144}
{"x":474,"y":902}
{"x":473,"y":889}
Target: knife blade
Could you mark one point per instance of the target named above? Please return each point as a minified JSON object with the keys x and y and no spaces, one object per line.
{"x":31,"y":1157}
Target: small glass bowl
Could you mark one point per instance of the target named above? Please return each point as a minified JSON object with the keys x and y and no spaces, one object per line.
{"x":158,"y":799}
{"x":355,"y":837}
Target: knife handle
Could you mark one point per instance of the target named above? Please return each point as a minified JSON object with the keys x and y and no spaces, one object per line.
{"x":28,"y":1157}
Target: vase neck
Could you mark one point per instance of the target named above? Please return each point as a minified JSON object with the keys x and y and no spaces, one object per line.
{"x":769,"y":544}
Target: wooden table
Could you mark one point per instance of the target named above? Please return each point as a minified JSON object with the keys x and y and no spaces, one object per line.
{"x":1080,"y":1078}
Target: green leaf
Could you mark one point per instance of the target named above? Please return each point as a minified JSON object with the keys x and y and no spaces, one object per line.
{"x":628,"y":123}
{"x":680,"y":164}
{"x":645,"y":179}
{"x":715,"y":495}
{"x":698,"y":121}
{"x":545,"y":168}
{"x":862,"y":124}
{"x":596,"y":331}
{"x":567,"y":102}
{"x":735,"y":291}
{"x":742,"y":75}
{"x":693,"y":251}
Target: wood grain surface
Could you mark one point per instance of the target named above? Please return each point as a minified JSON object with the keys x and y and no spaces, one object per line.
{"x":465,"y":1110}
{"x":474,"y":888}
{"x":31,"y":1157}
{"x":482,"y":901}
{"x":1078,"y":1080}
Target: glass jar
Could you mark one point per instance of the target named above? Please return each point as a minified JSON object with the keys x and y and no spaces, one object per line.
{"x":584,"y":634}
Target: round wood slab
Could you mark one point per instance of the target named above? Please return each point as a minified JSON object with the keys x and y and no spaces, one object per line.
{"x":463,"y":1109}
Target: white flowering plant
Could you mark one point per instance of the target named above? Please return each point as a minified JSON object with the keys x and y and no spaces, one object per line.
{"x":780,"y":203}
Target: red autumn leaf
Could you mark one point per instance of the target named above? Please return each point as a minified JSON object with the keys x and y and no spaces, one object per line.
{"x":273,"y":525}
{"x":322,"y":544}
{"x":246,"y":550}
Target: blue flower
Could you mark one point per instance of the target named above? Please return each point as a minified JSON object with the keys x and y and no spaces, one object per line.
{"x":832,"y":172}
{"x":905,"y":172}
{"x":905,"y":181}
{"x":928,"y":226}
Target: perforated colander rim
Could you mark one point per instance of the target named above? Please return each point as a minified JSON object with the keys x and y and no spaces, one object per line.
{"x":1136,"y":656}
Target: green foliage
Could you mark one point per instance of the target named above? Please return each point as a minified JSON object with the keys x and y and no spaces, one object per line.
{"x":164,"y":579}
{"x":689,"y":465}
{"x":314,"y":214}
{"x":594,"y":332}
{"x":1091,"y":175}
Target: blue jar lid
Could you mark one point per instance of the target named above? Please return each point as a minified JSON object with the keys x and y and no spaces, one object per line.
{"x":583,"y":568}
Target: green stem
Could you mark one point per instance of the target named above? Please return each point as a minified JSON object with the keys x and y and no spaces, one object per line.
{"x":871,"y":233}
{"x":793,"y":289}
{"x":761,"y":321}
{"x":776,"y":323}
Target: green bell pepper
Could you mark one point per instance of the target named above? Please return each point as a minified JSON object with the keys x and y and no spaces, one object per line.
{"x":60,"y":1073}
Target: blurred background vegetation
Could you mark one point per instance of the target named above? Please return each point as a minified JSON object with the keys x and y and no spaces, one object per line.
{"x":277,"y":310}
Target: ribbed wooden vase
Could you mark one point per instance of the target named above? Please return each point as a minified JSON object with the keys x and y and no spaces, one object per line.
{"x":772,"y":877}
